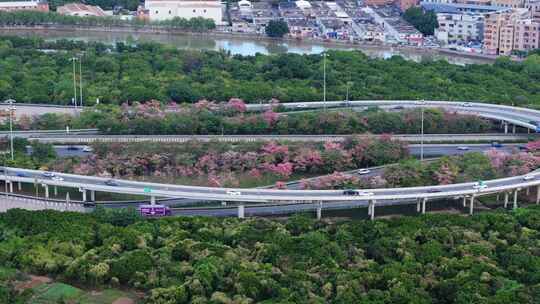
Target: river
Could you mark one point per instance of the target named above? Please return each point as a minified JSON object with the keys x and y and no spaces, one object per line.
{"x":243,"y":46}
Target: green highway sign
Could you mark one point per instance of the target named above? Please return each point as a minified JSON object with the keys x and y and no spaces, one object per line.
{"x":147,"y":189}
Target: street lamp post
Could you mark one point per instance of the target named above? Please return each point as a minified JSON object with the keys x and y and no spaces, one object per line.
{"x":10,"y":110}
{"x":73,"y":59}
{"x":324,"y":79}
{"x":80,"y":81}
{"x":422,"y":131}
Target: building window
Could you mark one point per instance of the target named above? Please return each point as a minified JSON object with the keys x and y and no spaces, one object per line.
{"x":157,"y":12}
{"x":194,"y":11}
{"x":204,"y":11}
{"x":170,"y":12}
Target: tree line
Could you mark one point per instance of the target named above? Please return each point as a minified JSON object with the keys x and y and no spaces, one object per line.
{"x":128,"y":73}
{"x":491,"y":257}
{"x":32,"y":18}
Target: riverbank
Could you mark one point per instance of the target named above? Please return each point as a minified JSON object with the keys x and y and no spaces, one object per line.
{"x":312,"y":46}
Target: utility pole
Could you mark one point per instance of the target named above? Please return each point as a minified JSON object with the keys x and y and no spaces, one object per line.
{"x":73,"y":59}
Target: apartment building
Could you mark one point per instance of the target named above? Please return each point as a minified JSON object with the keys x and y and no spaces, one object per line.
{"x":527,"y":34}
{"x":508,"y":3}
{"x":11,"y":6}
{"x":168,"y":9}
{"x":461,"y":27}
{"x":500,"y":28}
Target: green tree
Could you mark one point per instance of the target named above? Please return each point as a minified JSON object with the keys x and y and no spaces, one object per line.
{"x":276,"y":28}
{"x":424,"y":21}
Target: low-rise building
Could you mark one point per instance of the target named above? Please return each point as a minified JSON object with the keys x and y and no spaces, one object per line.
{"x":301,"y":28}
{"x":12,"y":6}
{"x":527,"y":35}
{"x":406,"y":4}
{"x":499,"y":29}
{"x":461,"y":27}
{"x":79,"y":9}
{"x":168,"y":9}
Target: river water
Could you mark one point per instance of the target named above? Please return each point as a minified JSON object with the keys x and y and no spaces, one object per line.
{"x":241,"y":46}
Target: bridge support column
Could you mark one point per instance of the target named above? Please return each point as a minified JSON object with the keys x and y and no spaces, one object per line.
{"x":515,"y":199}
{"x":241,"y":211}
{"x":471,"y":209}
{"x":418,"y":205}
{"x":55,"y":190}
{"x":152,"y":200}
{"x":46,"y":190}
{"x":319,"y":211}
{"x":514,"y":129}
{"x":498,"y":197}
{"x":527,"y":190}
{"x":537,"y":194}
{"x":464,"y":201}
{"x":11,"y":186}
{"x":92,"y":195}
{"x":372,"y":208}
{"x":424,"y":200}
{"x":506,"y":200}
{"x":84,"y":195}
{"x":505,"y":127}
{"x":19,"y":186}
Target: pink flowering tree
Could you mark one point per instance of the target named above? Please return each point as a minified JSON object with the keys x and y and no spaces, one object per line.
{"x":236,"y":105}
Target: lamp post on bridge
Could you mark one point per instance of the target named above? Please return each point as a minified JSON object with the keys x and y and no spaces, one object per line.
{"x":10,"y":111}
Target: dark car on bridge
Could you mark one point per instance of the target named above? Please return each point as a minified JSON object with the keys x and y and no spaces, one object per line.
{"x":111,"y":182}
{"x":351,"y":192}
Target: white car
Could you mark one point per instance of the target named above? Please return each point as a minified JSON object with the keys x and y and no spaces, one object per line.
{"x":364,"y":171}
{"x":58,"y":178}
{"x":365,"y":193}
{"x":466,"y":104}
{"x":528,"y":177}
{"x":463,"y":148}
{"x":231,"y":192}
{"x":88,"y":149}
{"x":479,"y":186}
{"x":302,"y":105}
{"x":48,"y":174}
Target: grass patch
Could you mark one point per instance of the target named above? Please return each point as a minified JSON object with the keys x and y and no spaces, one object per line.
{"x":7,"y":274}
{"x":55,"y":293}
{"x":106,"y":296}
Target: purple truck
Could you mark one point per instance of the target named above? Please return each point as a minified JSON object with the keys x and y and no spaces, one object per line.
{"x":154,"y":210}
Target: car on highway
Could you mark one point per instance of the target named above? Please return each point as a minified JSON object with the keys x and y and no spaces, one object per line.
{"x":523,"y":148}
{"x":350,"y":192}
{"x":466,"y":104}
{"x":398,"y":108}
{"x":88,"y":149}
{"x":365,"y":193}
{"x":364,"y":171}
{"x":479,"y":185}
{"x":22,"y":174}
{"x":302,"y":105}
{"x":496,"y":144}
{"x":48,"y":174}
{"x":58,"y":178}
{"x":231,"y":192}
{"x":434,"y":190}
{"x":528,"y":177}
{"x":463,"y":148}
{"x":73,"y":148}
{"x":111,"y":182}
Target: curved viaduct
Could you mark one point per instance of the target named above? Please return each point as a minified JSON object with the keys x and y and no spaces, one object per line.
{"x":526,"y":118}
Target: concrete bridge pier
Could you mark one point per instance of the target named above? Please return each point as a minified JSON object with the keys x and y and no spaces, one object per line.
{"x":55,"y":190}
{"x":372,"y":209}
{"x":84,"y":195}
{"x":514,"y":129}
{"x":515,"y":199}
{"x":418,"y":208}
{"x":471,"y":207}
{"x":241,"y":214}
{"x":19,"y":186}
{"x":527,"y":190}
{"x":92,"y":195}
{"x":10,"y":186}
{"x":537,"y":194}
{"x":505,"y":127}
{"x":498,"y":197}
{"x":424,"y":200}
{"x":152,"y":200}
{"x":506,"y":200}
{"x":319,"y":211}
{"x":464,"y":201}
{"x":46,"y":187}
